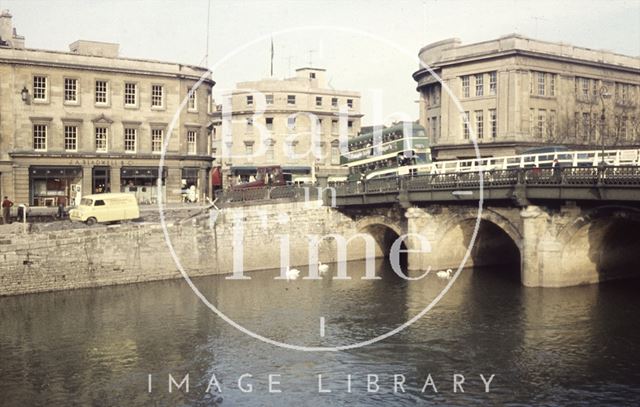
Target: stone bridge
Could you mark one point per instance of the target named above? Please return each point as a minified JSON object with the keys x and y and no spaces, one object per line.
{"x":556,"y":227}
{"x":551,"y":246}
{"x":562,"y":227}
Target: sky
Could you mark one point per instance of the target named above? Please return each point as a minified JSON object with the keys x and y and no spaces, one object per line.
{"x":369,"y":46}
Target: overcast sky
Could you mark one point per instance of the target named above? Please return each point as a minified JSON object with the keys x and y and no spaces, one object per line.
{"x":177,"y":31}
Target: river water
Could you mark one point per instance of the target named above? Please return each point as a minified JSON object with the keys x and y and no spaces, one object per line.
{"x":110,"y":346}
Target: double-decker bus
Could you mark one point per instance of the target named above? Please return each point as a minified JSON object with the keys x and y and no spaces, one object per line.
{"x":403,"y":144}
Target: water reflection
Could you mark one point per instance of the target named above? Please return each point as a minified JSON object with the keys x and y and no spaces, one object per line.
{"x":546,"y":346}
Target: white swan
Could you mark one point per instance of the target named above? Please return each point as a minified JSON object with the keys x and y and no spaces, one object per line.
{"x":323,"y":268}
{"x":444,"y":274}
{"x":292,"y":274}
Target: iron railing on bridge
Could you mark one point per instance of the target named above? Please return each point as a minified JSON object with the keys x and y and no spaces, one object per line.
{"x":282,"y":192}
{"x":559,"y":176}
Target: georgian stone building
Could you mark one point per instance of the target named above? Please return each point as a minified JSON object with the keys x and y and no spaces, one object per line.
{"x":270,"y":123}
{"x":87,"y":121}
{"x":518,"y":93}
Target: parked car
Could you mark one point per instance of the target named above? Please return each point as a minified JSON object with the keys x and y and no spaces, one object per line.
{"x":108,"y":207}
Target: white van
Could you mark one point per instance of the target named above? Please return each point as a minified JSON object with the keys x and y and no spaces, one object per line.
{"x":107,"y":207}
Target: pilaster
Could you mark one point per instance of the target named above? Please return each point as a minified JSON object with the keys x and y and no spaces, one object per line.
{"x":87,"y":178}
{"x":173,"y":184}
{"x":420,"y":222}
{"x":114,"y":178}
{"x":534,"y":227}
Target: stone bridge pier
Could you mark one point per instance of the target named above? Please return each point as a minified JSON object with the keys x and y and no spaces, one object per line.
{"x":544,"y":246}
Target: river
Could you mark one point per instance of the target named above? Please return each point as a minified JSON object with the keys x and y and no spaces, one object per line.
{"x":118,"y":345}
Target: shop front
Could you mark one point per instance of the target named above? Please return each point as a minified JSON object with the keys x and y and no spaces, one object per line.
{"x":190,"y":185}
{"x":142,"y":181}
{"x":50,"y":181}
{"x":53,"y":186}
{"x":100,"y":180}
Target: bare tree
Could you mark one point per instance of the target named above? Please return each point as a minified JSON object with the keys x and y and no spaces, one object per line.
{"x":634,"y":128}
{"x":571,"y":129}
{"x":584,"y":126}
{"x":623,"y":124}
{"x":560,"y":130}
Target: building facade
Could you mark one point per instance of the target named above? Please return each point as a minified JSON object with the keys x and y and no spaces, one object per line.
{"x":519,"y":93}
{"x":271,"y":122}
{"x":88,"y":121}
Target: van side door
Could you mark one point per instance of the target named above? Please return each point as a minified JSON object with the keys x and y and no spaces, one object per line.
{"x":100,"y":210}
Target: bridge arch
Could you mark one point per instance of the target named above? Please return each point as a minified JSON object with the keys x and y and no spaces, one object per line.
{"x":488,"y":214}
{"x":384,"y":230}
{"x":498,"y":242}
{"x":601,"y":244}
{"x":381,"y":220}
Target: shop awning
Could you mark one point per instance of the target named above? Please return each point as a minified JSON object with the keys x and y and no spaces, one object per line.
{"x":55,"y":172}
{"x":141,"y":172}
{"x":251,"y":169}
{"x":300,"y":169}
{"x":216,"y":177}
{"x":244,"y":169}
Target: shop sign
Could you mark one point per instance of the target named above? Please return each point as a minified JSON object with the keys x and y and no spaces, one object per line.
{"x":104,"y":162}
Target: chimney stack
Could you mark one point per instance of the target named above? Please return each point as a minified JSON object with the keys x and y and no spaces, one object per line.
{"x":6,"y":27}
{"x":8,"y":34}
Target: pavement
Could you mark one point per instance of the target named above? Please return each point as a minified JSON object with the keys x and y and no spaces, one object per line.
{"x":42,"y":219}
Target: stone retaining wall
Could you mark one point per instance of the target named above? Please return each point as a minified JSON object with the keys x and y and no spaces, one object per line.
{"x":127,"y":253}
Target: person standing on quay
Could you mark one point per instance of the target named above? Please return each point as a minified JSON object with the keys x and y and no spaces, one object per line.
{"x":6,"y":209}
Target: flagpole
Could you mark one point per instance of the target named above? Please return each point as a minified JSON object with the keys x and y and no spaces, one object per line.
{"x":272,"y":57}
{"x":206,"y":61}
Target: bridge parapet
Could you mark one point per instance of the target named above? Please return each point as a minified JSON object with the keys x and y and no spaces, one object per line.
{"x":267,"y":195}
{"x":620,"y":183}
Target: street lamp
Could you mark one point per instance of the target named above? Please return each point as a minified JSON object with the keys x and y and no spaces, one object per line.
{"x":24,"y":94}
{"x":604,"y":94}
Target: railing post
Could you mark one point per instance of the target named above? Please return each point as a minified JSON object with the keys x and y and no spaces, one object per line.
{"x":601,"y":170}
{"x":24,"y":217}
{"x":521,"y":176}
{"x":520,"y":189}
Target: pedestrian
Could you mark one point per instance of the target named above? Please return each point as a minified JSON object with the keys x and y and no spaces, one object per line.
{"x":401,"y":159}
{"x":6,"y":210}
{"x":556,"y":170}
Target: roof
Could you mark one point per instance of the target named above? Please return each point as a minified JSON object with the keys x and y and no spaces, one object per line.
{"x":390,"y":129}
{"x":108,"y":195}
{"x":306,"y":68}
{"x":452,"y":51}
{"x":49,"y":58}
